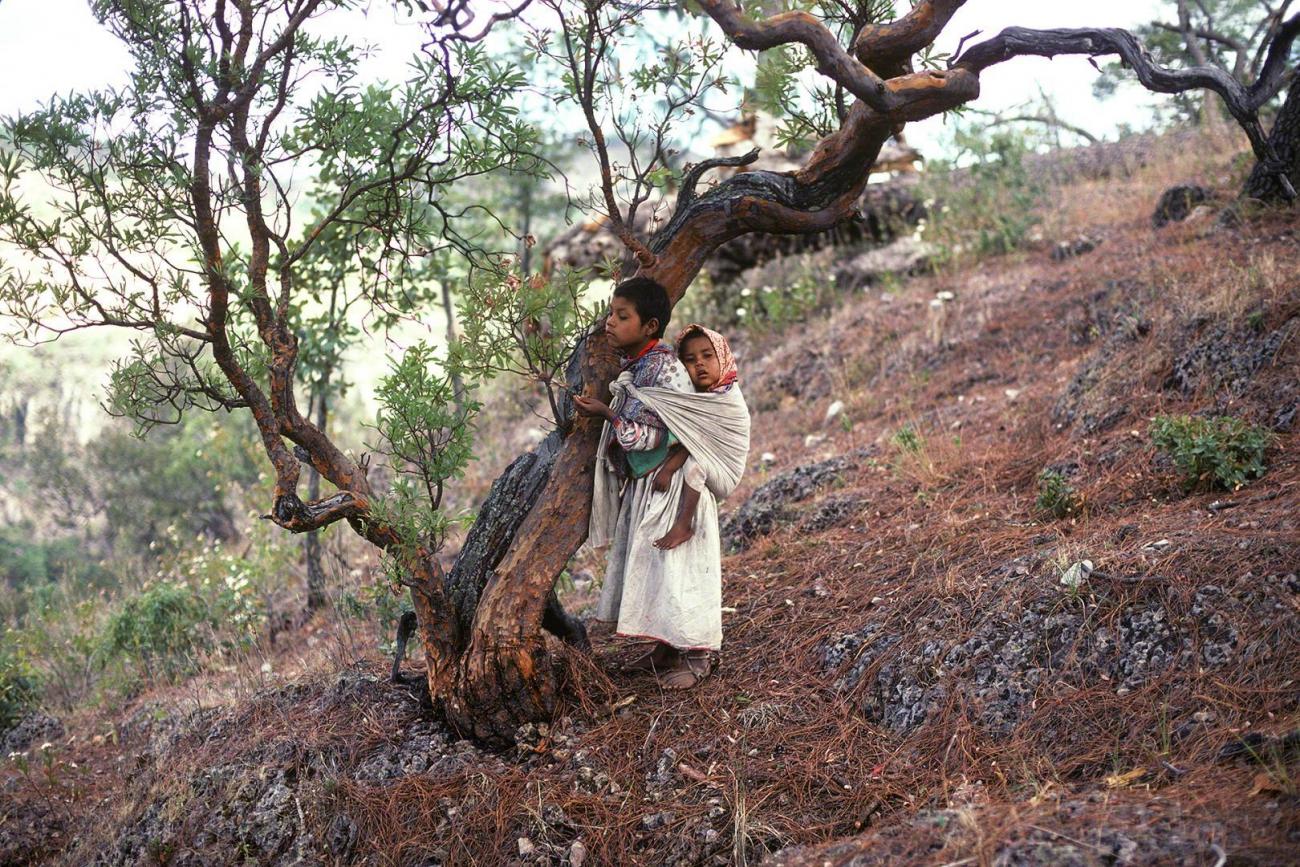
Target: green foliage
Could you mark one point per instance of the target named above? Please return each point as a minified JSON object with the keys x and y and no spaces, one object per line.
{"x":161,"y":627}
{"x":1056,"y":496}
{"x":770,"y":308}
{"x":806,"y":111}
{"x":525,"y":326}
{"x":425,"y":427}
{"x":19,"y":688}
{"x":175,"y":483}
{"x":987,"y":207}
{"x":27,"y":561}
{"x":907,"y":439}
{"x":1218,"y":451}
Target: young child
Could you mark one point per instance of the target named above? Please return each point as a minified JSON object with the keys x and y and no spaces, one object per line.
{"x":670,"y":595}
{"x":712,"y":368}
{"x":638,"y":316}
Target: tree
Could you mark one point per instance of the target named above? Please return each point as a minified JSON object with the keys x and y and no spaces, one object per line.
{"x":143,"y":236}
{"x":1251,"y":44}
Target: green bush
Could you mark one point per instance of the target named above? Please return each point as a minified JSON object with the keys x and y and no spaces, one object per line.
{"x":907,"y":439}
{"x":984,"y":201}
{"x":1056,"y":495}
{"x":162,"y":628}
{"x":18,"y":687}
{"x":1218,"y":451}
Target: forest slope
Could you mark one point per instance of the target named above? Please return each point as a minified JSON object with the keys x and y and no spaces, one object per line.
{"x":917,"y":667}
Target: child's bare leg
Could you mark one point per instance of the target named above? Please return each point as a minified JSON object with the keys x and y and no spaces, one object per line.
{"x":681,"y":528}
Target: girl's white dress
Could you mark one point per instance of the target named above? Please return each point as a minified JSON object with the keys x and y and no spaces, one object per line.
{"x":674,"y":596}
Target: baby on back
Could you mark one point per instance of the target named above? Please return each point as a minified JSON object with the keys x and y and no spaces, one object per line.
{"x":712,"y":368}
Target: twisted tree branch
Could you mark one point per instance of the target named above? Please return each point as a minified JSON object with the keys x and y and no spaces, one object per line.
{"x":1243,"y":102}
{"x":801,"y":27}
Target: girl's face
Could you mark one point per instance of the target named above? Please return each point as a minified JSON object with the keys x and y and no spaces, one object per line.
{"x":701,"y":362}
{"x":624,"y":328}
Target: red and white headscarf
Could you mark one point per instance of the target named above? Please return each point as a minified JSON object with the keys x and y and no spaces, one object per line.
{"x":726,"y":361}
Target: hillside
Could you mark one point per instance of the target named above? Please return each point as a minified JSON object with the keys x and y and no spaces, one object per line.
{"x":922,"y":663}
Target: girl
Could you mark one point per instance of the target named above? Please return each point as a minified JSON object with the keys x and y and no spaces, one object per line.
{"x":673,"y":594}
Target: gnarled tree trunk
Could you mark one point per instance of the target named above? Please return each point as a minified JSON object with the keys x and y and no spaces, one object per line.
{"x":1264,"y":182}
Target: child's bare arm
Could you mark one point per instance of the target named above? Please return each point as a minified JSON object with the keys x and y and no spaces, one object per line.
{"x":677,"y":456}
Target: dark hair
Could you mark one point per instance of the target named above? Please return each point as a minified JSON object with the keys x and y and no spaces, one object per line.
{"x":650,"y":299}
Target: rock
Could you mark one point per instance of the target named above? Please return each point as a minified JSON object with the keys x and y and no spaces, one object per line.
{"x":34,"y":728}
{"x":771,"y":503}
{"x":884,"y":210}
{"x":813,"y":440}
{"x":767,"y":458}
{"x":341,"y":838}
{"x":577,"y":854}
{"x":526,"y":847}
{"x":833,"y":411}
{"x":1074,"y":577}
{"x":1177,"y":202}
{"x":1006,"y":653}
{"x":1224,"y":357}
{"x":833,"y":511}
{"x":657,"y":820}
{"x":1063,"y":250}
{"x":905,"y":255}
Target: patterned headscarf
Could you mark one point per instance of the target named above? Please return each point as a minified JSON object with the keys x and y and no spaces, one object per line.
{"x":726,"y":361}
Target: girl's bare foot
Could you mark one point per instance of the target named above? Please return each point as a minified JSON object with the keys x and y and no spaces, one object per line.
{"x":659,"y":658}
{"x":674,"y":537}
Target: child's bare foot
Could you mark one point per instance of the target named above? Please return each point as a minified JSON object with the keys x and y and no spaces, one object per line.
{"x":674,"y":537}
{"x":659,"y":658}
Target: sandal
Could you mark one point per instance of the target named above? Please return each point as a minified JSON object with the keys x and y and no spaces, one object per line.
{"x":695,"y":666}
{"x":657,"y":659}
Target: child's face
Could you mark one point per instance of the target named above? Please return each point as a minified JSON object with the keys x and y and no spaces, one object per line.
{"x":701,"y":362}
{"x":624,"y":328}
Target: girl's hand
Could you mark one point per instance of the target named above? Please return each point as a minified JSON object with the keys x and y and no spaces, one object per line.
{"x":591,"y":406}
{"x":663,"y":477}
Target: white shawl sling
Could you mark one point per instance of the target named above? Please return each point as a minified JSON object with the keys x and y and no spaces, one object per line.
{"x":674,"y":596}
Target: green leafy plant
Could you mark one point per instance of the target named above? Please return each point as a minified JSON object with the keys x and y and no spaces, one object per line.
{"x":1056,"y":496}
{"x":983,"y":202}
{"x":1215,"y":451}
{"x":160,"y":628}
{"x":907,"y":439}
{"x":18,"y":687}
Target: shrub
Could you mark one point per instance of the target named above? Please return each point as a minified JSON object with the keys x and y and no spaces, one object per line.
{"x":907,"y":439}
{"x":987,"y":207}
{"x":161,"y":627}
{"x":1056,"y":495}
{"x":1218,"y":451}
{"x":18,"y":688}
